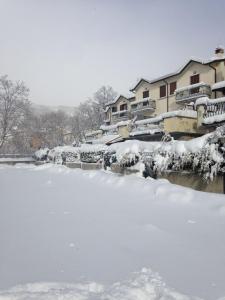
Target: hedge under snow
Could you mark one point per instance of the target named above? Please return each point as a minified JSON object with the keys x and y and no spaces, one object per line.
{"x":205,"y":154}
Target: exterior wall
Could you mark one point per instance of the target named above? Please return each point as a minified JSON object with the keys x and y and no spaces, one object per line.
{"x":121,"y":100}
{"x":123,"y":131}
{"x":206,"y":75}
{"x":195,"y":181}
{"x":220,"y":74}
{"x":180,"y":124}
{"x":143,"y":86}
{"x":161,"y":103}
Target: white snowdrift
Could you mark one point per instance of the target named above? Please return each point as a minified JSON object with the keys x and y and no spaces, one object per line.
{"x":80,"y":235}
{"x":143,"y":285}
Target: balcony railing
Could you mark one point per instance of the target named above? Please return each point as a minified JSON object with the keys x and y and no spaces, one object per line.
{"x":193,"y":92}
{"x":120,"y":115}
{"x":142,"y":106}
{"x":214,"y":109}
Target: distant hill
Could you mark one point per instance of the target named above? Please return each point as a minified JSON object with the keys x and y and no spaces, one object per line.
{"x":40,"y":108}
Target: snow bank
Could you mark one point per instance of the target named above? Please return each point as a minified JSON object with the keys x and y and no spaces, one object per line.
{"x":143,"y":285}
{"x":72,"y":234}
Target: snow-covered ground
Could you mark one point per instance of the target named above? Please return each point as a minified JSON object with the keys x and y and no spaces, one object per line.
{"x":72,"y":234}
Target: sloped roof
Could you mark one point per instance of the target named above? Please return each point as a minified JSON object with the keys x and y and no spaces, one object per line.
{"x":180,"y":70}
{"x":128,"y":97}
{"x":139,"y":81}
{"x":115,"y":100}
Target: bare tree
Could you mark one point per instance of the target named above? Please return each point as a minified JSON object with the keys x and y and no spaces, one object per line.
{"x":104,"y":95}
{"x":14,"y":105}
{"x":89,"y":115}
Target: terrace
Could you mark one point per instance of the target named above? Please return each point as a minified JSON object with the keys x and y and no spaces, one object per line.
{"x":143,"y":105}
{"x":193,"y":92}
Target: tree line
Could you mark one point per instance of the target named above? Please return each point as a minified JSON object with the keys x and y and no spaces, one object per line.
{"x":22,"y":130}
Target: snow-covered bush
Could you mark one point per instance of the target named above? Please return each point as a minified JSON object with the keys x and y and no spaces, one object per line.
{"x":41,"y":154}
{"x":205,"y":155}
{"x":62,"y":154}
{"x":92,"y":153}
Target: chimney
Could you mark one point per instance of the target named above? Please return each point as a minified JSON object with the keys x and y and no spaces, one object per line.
{"x":219,"y":51}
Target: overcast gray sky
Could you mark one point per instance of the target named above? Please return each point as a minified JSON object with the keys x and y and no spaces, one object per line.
{"x":65,"y":50}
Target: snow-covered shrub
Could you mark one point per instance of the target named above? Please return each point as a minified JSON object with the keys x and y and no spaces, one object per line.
{"x":41,"y":154}
{"x":62,"y":154}
{"x":205,"y":155}
{"x":92,"y":153}
{"x":109,"y":158}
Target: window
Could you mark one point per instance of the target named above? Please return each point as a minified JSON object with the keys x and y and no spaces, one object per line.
{"x":114,"y":109}
{"x":145,"y":94}
{"x":194,"y":79}
{"x":162,"y":91}
{"x":173,"y":86}
{"x":123,"y":107}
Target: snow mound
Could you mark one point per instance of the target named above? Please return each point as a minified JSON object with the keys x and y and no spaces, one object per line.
{"x":143,"y":285}
{"x":52,"y":291}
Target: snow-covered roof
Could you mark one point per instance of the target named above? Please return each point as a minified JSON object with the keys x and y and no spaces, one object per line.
{"x":115,"y":126}
{"x":178,"y":71}
{"x":108,"y":139}
{"x":218,"y":85}
{"x":146,"y":131}
{"x":132,"y":89}
{"x":128,"y":97}
{"x":93,"y":133}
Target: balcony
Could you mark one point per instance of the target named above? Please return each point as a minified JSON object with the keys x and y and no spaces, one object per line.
{"x":120,"y":115}
{"x":142,"y":106}
{"x":192,"y":92}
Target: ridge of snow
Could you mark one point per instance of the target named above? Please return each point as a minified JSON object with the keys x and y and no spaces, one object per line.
{"x":207,"y":101}
{"x":218,"y":85}
{"x":214,"y":119}
{"x":170,"y":114}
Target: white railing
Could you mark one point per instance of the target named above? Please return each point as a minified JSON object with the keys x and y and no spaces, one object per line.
{"x":142,"y":105}
{"x":193,"y":92}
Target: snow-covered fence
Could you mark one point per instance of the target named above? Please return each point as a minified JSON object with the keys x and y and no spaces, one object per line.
{"x":16,"y":158}
{"x":213,"y":110}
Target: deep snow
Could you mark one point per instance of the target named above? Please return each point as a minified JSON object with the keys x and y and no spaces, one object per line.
{"x":72,"y":234}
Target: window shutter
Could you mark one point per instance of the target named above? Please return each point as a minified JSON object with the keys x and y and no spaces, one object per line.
{"x":173,"y":86}
{"x":162,"y":91}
